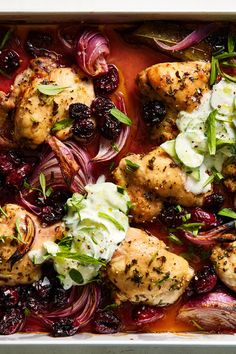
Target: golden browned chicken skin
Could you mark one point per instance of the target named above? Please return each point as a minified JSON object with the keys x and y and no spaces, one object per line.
{"x":35,"y":112}
{"x":224,"y":260}
{"x":180,"y":85}
{"x":229,"y":172}
{"x":156,"y":180}
{"x":143,"y":270}
{"x":21,"y":232}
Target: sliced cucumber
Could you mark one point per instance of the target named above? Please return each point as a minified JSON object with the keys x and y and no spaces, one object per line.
{"x":169,"y":147}
{"x":187,"y":155}
{"x":223,"y":97}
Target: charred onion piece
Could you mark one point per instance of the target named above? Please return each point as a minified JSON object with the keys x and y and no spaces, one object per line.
{"x":69,"y":166}
{"x":211,"y":312}
{"x":218,"y":234}
{"x":25,"y":242}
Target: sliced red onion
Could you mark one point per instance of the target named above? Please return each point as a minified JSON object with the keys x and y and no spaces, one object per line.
{"x":106,"y":152}
{"x":211,"y":312}
{"x":210,"y":237}
{"x":193,"y":38}
{"x":92,"y":50}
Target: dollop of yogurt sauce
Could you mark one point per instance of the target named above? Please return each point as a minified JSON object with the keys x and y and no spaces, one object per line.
{"x":97,"y":223}
{"x":207,"y":137}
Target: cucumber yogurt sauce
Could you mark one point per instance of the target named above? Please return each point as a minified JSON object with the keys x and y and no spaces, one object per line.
{"x":207,"y":137}
{"x":96,"y":224}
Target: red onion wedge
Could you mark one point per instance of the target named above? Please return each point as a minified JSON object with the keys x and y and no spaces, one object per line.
{"x":210,"y":237}
{"x":81,"y":306}
{"x":92,"y":50}
{"x":214,"y":312}
{"x":193,"y":38}
{"x":106,"y":152}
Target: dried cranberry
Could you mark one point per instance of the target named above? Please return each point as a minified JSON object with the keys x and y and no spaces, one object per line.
{"x":79,"y":111}
{"x":214,"y":202}
{"x":154,"y":112}
{"x":146,"y":314}
{"x":17,"y":176}
{"x":106,"y":322}
{"x":83,"y":129}
{"x":11,"y":321}
{"x":9,"y":296}
{"x":52,"y":214}
{"x":208,"y":220}
{"x":172,"y":216}
{"x":60,"y":297}
{"x":111,"y":127}
{"x":37,"y":42}
{"x":9,"y":61}
{"x":204,"y":280}
{"x":107,"y":83}
{"x":43,"y":288}
{"x":64,"y":328}
{"x":35,"y":304}
{"x":100,"y":106}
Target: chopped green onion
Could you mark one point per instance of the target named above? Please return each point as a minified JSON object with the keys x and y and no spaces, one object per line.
{"x":225,"y":55}
{"x":174,"y":239}
{"x":3,"y":212}
{"x":115,"y":147}
{"x":214,"y":71}
{"x":229,"y":213}
{"x":51,"y":90}
{"x":178,"y":208}
{"x":6,"y":38}
{"x":42,"y":181}
{"x":62,"y":124}
{"x":120,"y":116}
{"x":76,"y":276}
{"x":211,"y":132}
{"x":131,"y":166}
{"x":112,"y":220}
{"x":161,"y":281}
{"x":19,"y":235}
{"x":186,"y":217}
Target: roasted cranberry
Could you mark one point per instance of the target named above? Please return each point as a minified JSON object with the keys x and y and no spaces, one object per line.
{"x":37,"y":42}
{"x":6,"y":163}
{"x":9,"y":296}
{"x":64,"y":328}
{"x":35,"y":304}
{"x":214,"y":202}
{"x":146,"y":314}
{"x":9,"y":61}
{"x":83,"y":129}
{"x":208,"y":220}
{"x":106,"y":322}
{"x":11,"y":321}
{"x":79,"y":111}
{"x":100,"y":106}
{"x":107,"y":83}
{"x":59,"y":196}
{"x":43,"y":287}
{"x":204,"y":280}
{"x":172,"y":216}
{"x":52,"y":214}
{"x":111,"y":127}
{"x":154,"y":112}
{"x":17,"y":176}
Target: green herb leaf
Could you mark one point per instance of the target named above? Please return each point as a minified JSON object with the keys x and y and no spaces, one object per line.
{"x":82,"y":258}
{"x":161,"y":281}
{"x":178,"y":208}
{"x":174,"y":239}
{"x":214,"y":71}
{"x":186,"y":217}
{"x":209,"y":180}
{"x":42,"y":181}
{"x":120,"y":190}
{"x":115,"y":147}
{"x":62,"y":124}
{"x":3,"y":212}
{"x":231,"y":42}
{"x":51,"y":90}
{"x":49,"y":191}
{"x":225,"y":55}
{"x":121,"y":116}
{"x":19,"y":234}
{"x":6,"y":38}
{"x":129,"y":204}
{"x":131,"y":166}
{"x":211,"y":132}
{"x":111,"y":219}
{"x":27,"y":312}
{"x":76,"y":276}
{"x":110,"y":307}
{"x":229,"y":213}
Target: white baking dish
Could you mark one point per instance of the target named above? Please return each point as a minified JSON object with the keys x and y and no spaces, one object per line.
{"x":102,"y":11}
